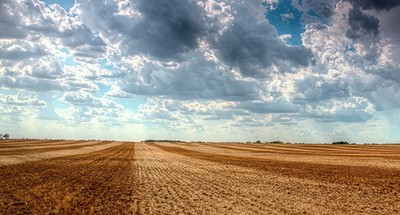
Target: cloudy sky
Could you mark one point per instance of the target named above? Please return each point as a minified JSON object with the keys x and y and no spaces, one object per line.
{"x":212,"y":70}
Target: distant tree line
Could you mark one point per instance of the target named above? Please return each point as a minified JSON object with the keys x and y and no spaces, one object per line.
{"x":5,"y":136}
{"x":171,"y":141}
{"x":269,"y":142}
{"x":340,"y":142}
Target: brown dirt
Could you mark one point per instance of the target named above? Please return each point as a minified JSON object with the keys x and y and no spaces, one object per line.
{"x":52,"y":147}
{"x":98,"y":182}
{"x":32,"y":143}
{"x":212,"y":178}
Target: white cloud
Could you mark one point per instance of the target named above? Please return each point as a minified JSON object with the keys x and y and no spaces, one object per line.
{"x":20,"y":99}
{"x":352,"y":109}
{"x":81,"y":98}
{"x":17,"y":49}
{"x":314,"y":88}
{"x":285,"y":37}
{"x":270,"y":4}
{"x":118,"y":93}
{"x":195,"y":79}
{"x":287,"y":17}
{"x":32,"y":83}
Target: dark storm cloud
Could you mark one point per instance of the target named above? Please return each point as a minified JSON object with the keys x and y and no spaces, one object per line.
{"x":168,"y":28}
{"x":375,"y":4}
{"x":389,"y":23}
{"x":361,"y":24}
{"x":165,"y":29}
{"x":251,"y":44}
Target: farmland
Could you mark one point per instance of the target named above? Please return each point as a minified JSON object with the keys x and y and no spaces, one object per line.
{"x":92,"y":177}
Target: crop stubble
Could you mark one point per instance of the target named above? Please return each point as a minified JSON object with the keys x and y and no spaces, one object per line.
{"x":211,"y":178}
{"x":100,"y":181}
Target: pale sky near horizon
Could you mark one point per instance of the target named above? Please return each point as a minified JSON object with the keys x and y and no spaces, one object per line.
{"x":211,"y":70}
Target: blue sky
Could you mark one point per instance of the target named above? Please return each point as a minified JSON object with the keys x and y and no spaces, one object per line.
{"x":66,"y":4}
{"x":299,"y":71}
{"x":287,"y":20}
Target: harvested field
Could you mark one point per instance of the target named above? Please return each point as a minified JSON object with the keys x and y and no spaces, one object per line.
{"x":92,"y":177}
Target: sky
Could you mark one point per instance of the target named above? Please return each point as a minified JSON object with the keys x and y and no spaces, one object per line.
{"x":211,"y":70}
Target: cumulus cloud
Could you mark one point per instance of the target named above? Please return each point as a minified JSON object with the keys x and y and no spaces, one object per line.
{"x":167,"y":28}
{"x":285,"y":37}
{"x":21,"y":100}
{"x":32,"y":83}
{"x":269,"y":107}
{"x":118,"y":93}
{"x":191,"y":113}
{"x":9,"y":27}
{"x":32,"y":22}
{"x":252,"y":45}
{"x":162,"y":29}
{"x":361,"y":24}
{"x":78,"y":115}
{"x":20,"y":50}
{"x":165,"y":31}
{"x":375,"y":4}
{"x":81,"y":98}
{"x":352,"y":109}
{"x":315,"y":11}
{"x":248,"y":122}
{"x":196,"y":79}
{"x":45,"y":68}
{"x":286,"y":17}
{"x":313,"y":89}
{"x":41,"y":37}
{"x":363,"y":56}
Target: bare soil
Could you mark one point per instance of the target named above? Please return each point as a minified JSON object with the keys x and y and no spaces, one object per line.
{"x":199,"y":178}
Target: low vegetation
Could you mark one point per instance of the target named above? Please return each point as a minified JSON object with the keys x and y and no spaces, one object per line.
{"x":340,"y":143}
{"x":5,"y":136}
{"x":167,"y":141}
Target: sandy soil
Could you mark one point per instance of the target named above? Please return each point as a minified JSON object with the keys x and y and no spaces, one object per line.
{"x":212,"y":178}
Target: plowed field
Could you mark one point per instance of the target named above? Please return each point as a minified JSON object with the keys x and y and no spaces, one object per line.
{"x":104,"y":177}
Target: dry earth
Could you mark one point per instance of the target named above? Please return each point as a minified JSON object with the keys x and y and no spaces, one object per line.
{"x":103,"y":177}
